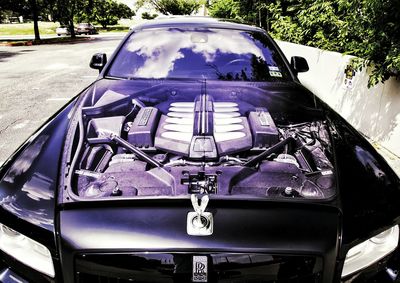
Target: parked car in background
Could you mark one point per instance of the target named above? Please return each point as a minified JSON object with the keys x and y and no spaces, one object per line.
{"x":85,"y":28}
{"x":198,"y":156}
{"x":63,"y":30}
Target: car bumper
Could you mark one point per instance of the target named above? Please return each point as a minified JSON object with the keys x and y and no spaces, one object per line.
{"x":150,"y":267}
{"x":79,"y":31}
{"x":287,"y":238}
{"x":263,"y":243}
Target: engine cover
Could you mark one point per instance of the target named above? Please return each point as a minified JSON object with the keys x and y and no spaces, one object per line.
{"x":144,"y":127}
{"x":203,"y":129}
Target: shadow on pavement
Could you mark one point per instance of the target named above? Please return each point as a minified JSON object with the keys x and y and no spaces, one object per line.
{"x":85,"y":40}
{"x":4,"y":55}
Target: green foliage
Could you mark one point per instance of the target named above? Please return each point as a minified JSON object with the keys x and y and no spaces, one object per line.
{"x":8,"y":9}
{"x":316,"y":23}
{"x":108,"y":12}
{"x":103,"y":12}
{"x":172,"y":7}
{"x":15,"y":8}
{"x":376,"y":37}
{"x":29,"y":9}
{"x":225,"y":9}
{"x":6,"y":14}
{"x":367,"y":29}
{"x":65,"y":11}
{"x":249,"y":11}
{"x":148,"y":16}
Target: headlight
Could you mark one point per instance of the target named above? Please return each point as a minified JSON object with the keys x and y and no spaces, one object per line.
{"x":26,"y":250}
{"x":370,"y":251}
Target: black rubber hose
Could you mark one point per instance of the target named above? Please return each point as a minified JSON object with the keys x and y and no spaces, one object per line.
{"x":268,"y":152}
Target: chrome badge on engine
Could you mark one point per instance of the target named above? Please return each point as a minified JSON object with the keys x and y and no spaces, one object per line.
{"x":199,"y":222}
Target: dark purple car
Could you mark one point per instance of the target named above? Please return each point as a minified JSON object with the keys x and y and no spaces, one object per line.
{"x":197,"y":156}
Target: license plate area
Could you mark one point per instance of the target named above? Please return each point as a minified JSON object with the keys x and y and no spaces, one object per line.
{"x":201,"y":267}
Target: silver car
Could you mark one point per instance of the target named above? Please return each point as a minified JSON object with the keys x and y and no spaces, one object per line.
{"x":63,"y":30}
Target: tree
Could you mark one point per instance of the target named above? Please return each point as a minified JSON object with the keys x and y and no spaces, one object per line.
{"x":108,"y":12}
{"x":374,"y":35}
{"x":225,"y":9}
{"x":27,"y":8}
{"x":86,"y":12}
{"x":147,"y":16}
{"x":316,"y":23}
{"x":65,"y":11}
{"x":172,"y":7}
{"x":249,"y":11}
{"x":9,"y":9}
{"x":35,"y":14}
{"x":367,"y":29}
{"x":104,"y":12}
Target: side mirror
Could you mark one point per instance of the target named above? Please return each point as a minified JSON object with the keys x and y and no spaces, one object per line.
{"x":299,"y":64}
{"x":98,"y":61}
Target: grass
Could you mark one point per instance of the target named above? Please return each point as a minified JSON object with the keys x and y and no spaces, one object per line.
{"x":46,"y":28}
{"x":116,"y":28}
{"x":27,"y":28}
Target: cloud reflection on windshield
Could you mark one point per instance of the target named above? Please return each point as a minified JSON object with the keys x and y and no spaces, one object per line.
{"x":161,"y":49}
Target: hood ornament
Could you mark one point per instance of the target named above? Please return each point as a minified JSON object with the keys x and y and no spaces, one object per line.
{"x":199,"y":222}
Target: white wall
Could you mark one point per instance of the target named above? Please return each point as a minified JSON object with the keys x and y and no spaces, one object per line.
{"x":375,"y":112}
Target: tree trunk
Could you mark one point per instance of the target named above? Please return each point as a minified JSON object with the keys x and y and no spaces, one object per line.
{"x":35,"y":13}
{"x":71,"y":19}
{"x":71,"y":28}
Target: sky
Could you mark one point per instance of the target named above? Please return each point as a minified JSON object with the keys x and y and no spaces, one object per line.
{"x":130,"y":3}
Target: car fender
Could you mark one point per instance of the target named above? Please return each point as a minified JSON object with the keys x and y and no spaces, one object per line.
{"x":369,"y":190}
{"x":29,"y":180}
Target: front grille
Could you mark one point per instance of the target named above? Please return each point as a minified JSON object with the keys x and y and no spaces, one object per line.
{"x":179,"y":267}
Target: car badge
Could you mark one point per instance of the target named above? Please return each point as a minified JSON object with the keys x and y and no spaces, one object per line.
{"x":199,"y":222}
{"x":200,"y":269}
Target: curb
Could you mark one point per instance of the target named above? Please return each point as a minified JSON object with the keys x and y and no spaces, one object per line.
{"x":31,"y":42}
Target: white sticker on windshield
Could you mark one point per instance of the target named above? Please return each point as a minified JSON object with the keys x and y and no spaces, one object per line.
{"x":273,"y":68}
{"x":275,"y":74}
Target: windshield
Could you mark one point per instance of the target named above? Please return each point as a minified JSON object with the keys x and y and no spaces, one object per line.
{"x":207,"y":53}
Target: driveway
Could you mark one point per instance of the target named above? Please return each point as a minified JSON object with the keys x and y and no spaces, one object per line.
{"x":35,"y":81}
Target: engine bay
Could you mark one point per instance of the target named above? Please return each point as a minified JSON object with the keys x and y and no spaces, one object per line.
{"x":135,"y":146}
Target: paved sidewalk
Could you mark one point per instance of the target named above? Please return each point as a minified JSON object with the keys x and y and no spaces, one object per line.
{"x":25,"y":37}
{"x":36,"y":81}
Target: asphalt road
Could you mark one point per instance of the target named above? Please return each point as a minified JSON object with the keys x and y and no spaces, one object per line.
{"x":35,"y":81}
